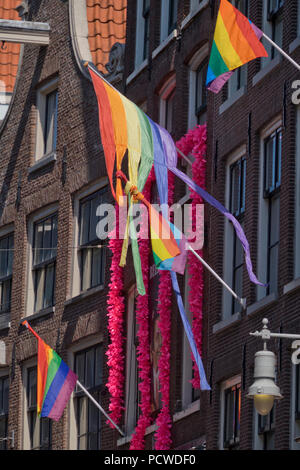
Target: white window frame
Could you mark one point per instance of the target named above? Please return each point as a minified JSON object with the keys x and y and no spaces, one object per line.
{"x":263,"y":209}
{"x":193,"y":64}
{"x":42,"y":93}
{"x":164,"y":21}
{"x":73,"y":349}
{"x":75,"y":286}
{"x":223,"y":387}
{"x":40,"y":214}
{"x":164,"y":93}
{"x":228,"y":236}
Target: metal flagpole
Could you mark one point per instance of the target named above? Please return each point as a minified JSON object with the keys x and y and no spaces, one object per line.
{"x":239,"y":299}
{"x":281,"y":51}
{"x":99,"y":406}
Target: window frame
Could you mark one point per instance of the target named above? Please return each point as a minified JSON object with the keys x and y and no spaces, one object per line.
{"x":9,"y":277}
{"x":5,"y":412}
{"x":43,"y":93}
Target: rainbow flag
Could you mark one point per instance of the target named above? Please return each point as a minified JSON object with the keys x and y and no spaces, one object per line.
{"x":55,"y":381}
{"x":236,"y":42}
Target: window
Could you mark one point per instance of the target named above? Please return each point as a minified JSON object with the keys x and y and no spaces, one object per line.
{"x":233,"y":251}
{"x":273,"y":26}
{"x":173,"y":7}
{"x":40,"y":429}
{"x":272,"y":181}
{"x":168,"y":18}
{"x":91,"y":259}
{"x":44,"y":262}
{"x":89,"y":369}
{"x":230,"y":413}
{"x":297,"y":395}
{"x":4,"y":391}
{"x":167,"y":95}
{"x":47,"y":105}
{"x":201,"y":92}
{"x":142,"y":31}
{"x":266,"y":430}
{"x":239,"y":77}
{"x":237,"y":208}
{"x":197,"y":87}
{"x":232,"y":417}
{"x":6,"y":261}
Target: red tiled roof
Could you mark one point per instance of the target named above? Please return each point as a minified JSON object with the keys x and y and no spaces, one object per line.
{"x":9,"y":52}
{"x":106,"y":25}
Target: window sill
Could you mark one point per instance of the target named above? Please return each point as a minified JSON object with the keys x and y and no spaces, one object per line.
{"x":291,"y":286}
{"x":260,"y":304}
{"x":266,"y":70}
{"x":233,"y":99}
{"x":40,"y":314}
{"x":84,"y":294}
{"x":137,"y":71}
{"x":227,"y":322}
{"x":192,"y":408}
{"x":42,"y":162}
{"x":193,"y":13}
{"x":126,"y":439}
{"x":164,"y":43}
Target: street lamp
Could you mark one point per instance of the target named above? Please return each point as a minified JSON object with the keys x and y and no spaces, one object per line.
{"x":264,"y":391}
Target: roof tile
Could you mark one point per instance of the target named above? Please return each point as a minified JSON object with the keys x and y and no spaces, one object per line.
{"x":9,"y":52}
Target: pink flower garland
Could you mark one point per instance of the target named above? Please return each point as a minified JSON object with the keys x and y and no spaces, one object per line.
{"x":143,"y":350}
{"x":194,"y":142}
{"x":163,"y":439}
{"x":114,"y":352}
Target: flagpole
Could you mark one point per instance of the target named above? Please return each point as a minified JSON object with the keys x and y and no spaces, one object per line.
{"x":239,"y":299}
{"x":99,"y":407}
{"x":281,"y":51}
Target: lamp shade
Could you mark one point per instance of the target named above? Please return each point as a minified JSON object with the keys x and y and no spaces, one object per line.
{"x":264,"y":390}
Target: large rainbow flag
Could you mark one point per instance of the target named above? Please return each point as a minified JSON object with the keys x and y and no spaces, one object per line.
{"x":55,"y":381}
{"x":236,"y":42}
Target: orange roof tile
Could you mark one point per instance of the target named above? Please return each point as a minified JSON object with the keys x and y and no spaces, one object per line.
{"x":9,"y":52}
{"x":106,"y":26}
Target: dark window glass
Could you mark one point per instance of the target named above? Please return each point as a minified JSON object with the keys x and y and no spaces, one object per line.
{"x":146,"y":16}
{"x":92,"y":260}
{"x":40,"y":429}
{"x":89,"y":369}
{"x":272,"y":181}
{"x":6,"y":260}
{"x":232,"y":417}
{"x":201,"y":92}
{"x":173,"y":6}
{"x":4,"y":391}
{"x":50,"y":128}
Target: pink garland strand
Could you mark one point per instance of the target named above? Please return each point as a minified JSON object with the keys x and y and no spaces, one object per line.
{"x":163,"y":439}
{"x":114,"y":352}
{"x":194,"y":142}
{"x":143,"y":350}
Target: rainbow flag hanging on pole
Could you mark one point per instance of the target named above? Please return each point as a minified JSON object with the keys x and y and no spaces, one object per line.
{"x":236,"y":42}
{"x":55,"y":381}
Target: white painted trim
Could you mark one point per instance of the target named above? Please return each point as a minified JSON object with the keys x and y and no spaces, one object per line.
{"x":194,"y":10}
{"x":25,"y":32}
{"x":193,"y":64}
{"x":137,"y":71}
{"x":164,"y":44}
{"x":79,"y":34}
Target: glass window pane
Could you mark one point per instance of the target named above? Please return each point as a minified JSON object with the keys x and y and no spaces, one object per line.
{"x":5,"y":394}
{"x":49,"y":285}
{"x":84,"y":223}
{"x":45,"y":433}
{"x":99,"y":366}
{"x":51,"y":122}
{"x":39,"y":289}
{"x":90,"y":368}
{"x":275,"y":220}
{"x":97,"y":267}
{"x":95,"y":202}
{"x":273,"y":268}
{"x":6,"y":295}
{"x":47,"y":242}
{"x":3,"y":257}
{"x":54,"y":236}
{"x":38,"y":243}
{"x":2,"y":428}
{"x":79,"y":367}
{"x":82,"y":422}
{"x":270,"y":164}
{"x":32,"y":384}
{"x":86,"y":268}
{"x":10,"y":254}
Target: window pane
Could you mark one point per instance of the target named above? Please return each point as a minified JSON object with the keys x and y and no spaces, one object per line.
{"x":84,"y":223}
{"x":79,"y":364}
{"x":51,"y":122}
{"x":6,"y":295}
{"x":275,"y":219}
{"x":54,"y":237}
{"x":47,"y":242}
{"x":86,"y":268}
{"x":82,"y":422}
{"x":10,"y":254}
{"x":273,"y":268}
{"x":38,"y":243}
{"x":39,"y":289}
{"x":32,"y":398}
{"x":270,"y":164}
{"x":95,"y":202}
{"x":99,"y":366}
{"x":49,"y":285}
{"x":97,"y":267}
{"x":90,"y":368}
{"x":45,"y":433}
{"x":5,"y":394}
{"x":3,"y":257}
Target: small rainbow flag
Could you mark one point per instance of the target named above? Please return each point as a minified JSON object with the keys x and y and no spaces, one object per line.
{"x":55,"y":381}
{"x":236,"y":42}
